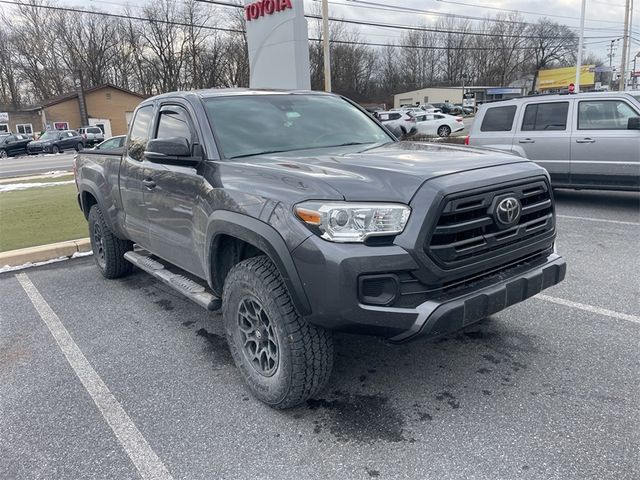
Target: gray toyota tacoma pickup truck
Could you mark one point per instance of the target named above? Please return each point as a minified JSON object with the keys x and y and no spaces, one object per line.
{"x":297,"y":214}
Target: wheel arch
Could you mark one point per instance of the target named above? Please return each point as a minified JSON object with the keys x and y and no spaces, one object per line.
{"x":226,"y":229}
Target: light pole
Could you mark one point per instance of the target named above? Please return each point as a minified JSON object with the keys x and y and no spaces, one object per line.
{"x":580,"y":45}
{"x":325,"y":45}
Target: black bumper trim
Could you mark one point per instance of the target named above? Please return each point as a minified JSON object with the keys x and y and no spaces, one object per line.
{"x":440,"y":317}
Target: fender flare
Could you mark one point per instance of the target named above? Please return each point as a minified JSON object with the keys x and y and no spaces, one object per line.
{"x":264,"y":237}
{"x":88,"y":186}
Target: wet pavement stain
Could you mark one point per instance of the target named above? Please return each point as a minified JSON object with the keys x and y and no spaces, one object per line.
{"x":361,"y":418}
{"x":218,"y":346}
{"x":188,"y":323}
{"x":484,"y":371}
{"x":451,"y":400}
{"x":165,"y":304}
{"x":372,"y":473}
{"x":491,"y":358}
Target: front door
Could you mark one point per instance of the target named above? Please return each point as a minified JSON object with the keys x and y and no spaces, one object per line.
{"x":132,"y":189}
{"x":544,"y":135}
{"x":172,"y":197}
{"x":604,"y":151}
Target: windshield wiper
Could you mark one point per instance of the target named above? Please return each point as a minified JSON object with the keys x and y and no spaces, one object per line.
{"x":266,"y":152}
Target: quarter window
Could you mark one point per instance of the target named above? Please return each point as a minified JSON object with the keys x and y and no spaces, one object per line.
{"x":498,"y":119}
{"x":604,"y":115}
{"x":139,"y":135}
{"x":545,"y":116}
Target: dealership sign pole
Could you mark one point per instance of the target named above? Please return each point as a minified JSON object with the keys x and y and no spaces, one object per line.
{"x":278,"y":44}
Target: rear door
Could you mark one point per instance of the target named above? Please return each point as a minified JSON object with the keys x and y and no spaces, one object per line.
{"x":172,"y":198}
{"x":543,"y":135}
{"x":132,"y":189}
{"x":603,"y":151}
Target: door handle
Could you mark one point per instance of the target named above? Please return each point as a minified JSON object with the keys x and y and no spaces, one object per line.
{"x":526,"y":140}
{"x":149,"y":183}
{"x":586,"y":140}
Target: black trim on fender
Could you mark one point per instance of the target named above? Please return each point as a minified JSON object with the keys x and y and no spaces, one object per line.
{"x":263,"y":237}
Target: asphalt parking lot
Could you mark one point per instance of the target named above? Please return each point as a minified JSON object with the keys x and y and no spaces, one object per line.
{"x":548,"y":389}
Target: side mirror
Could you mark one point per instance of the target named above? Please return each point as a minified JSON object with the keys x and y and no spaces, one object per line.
{"x":174,"y":150}
{"x":633,"y":123}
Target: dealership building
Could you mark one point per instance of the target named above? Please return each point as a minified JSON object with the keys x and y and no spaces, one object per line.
{"x":454,"y":95}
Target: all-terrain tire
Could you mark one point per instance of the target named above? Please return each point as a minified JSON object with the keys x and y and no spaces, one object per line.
{"x":108,"y":250}
{"x":304,"y":352}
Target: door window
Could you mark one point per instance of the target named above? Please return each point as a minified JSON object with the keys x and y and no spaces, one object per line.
{"x":545,"y":116}
{"x":4,"y":127}
{"x":498,"y":119}
{"x":174,"y":122}
{"x":139,"y":135}
{"x":604,"y":115}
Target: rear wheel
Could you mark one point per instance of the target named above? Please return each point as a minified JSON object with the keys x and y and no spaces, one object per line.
{"x":282,"y":359}
{"x":108,"y":250}
{"x":79,"y":147}
{"x":3,"y":154}
{"x":444,"y":131}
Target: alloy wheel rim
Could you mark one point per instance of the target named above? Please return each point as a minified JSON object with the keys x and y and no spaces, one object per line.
{"x":3,"y":154}
{"x":98,"y":244}
{"x":258,"y":337}
{"x":443,"y":132}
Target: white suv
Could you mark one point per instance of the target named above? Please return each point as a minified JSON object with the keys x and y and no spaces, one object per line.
{"x":91,"y":135}
{"x":586,"y":140}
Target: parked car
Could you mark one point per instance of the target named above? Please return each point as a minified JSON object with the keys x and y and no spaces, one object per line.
{"x":449,"y":108}
{"x":54,"y":141}
{"x":400,"y":122}
{"x":307,"y":226}
{"x":427,"y":107}
{"x":13,"y":144}
{"x":465,"y":110}
{"x":114,"y":143}
{"x":438,"y":124}
{"x":586,"y":140}
{"x":91,"y":135}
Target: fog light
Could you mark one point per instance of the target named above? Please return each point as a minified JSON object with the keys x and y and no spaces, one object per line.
{"x":378,"y":289}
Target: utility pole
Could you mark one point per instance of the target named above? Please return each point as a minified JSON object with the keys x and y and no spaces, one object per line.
{"x":630,"y":30}
{"x":580,"y":46}
{"x":625,"y":47}
{"x":325,"y":45}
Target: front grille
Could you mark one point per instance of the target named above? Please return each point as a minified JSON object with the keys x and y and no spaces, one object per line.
{"x":466,"y":231}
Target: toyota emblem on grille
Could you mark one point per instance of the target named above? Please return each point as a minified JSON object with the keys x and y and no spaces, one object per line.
{"x":508,"y":211}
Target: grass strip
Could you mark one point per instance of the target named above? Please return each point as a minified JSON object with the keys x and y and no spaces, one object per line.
{"x":39,"y":216}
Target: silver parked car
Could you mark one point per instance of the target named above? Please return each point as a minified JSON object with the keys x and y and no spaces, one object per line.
{"x":586,"y":140}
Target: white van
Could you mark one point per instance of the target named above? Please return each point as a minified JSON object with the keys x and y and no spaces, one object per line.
{"x":585,"y":140}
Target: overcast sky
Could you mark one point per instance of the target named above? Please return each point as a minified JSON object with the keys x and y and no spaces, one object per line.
{"x":604,"y":23}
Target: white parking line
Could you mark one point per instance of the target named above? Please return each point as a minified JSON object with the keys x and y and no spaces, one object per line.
{"x":135,"y":445}
{"x":604,"y":220}
{"x":589,"y":308}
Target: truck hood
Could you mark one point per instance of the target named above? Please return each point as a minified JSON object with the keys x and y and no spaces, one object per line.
{"x":392,"y":172}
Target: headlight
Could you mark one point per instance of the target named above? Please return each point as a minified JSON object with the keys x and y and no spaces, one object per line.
{"x":353,"y":222}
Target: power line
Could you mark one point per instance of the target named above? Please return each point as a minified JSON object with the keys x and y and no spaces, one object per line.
{"x":413,"y":27}
{"x":487,"y":7}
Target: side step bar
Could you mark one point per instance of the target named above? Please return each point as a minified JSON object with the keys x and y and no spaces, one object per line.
{"x":180,"y":283}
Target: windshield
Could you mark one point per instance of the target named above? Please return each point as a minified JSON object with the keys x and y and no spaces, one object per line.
{"x":49,"y":135}
{"x":254,"y":124}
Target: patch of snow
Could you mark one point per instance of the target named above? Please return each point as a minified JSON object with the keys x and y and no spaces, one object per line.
{"x":8,"y":268}
{"x":13,"y":187}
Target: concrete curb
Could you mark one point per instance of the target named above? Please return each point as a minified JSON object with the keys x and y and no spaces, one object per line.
{"x":43,"y":253}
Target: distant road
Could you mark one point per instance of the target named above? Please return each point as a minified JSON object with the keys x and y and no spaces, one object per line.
{"x":33,"y":165}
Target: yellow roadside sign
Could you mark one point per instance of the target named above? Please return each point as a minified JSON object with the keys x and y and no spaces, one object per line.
{"x":562,"y":77}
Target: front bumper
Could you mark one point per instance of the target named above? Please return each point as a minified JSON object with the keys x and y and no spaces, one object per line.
{"x":330,"y":275}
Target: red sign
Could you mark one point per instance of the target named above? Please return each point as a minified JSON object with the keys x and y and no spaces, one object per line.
{"x":262,"y":7}
{"x":572,"y":88}
{"x":635,"y":74}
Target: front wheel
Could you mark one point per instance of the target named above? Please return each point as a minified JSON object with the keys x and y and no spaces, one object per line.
{"x":444,"y":131}
{"x":108,"y":250}
{"x":55,"y":149}
{"x":79,"y":147}
{"x":282,"y":359}
{"x":3,"y":154}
